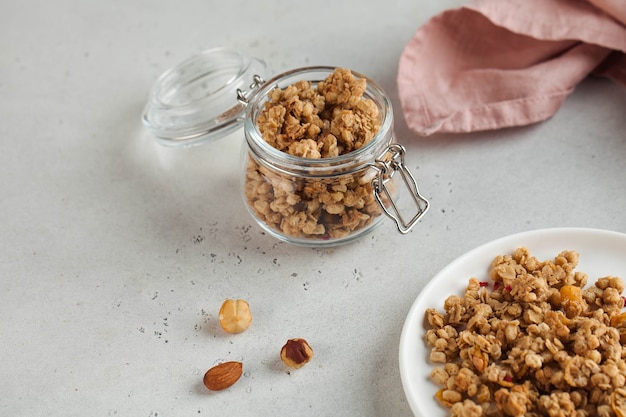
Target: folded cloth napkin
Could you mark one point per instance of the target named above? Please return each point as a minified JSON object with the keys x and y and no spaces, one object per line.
{"x":499,"y":63}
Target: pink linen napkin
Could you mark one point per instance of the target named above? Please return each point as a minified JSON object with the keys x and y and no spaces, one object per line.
{"x":499,"y":63}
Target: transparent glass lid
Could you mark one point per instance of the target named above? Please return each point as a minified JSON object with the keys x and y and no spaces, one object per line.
{"x":196,"y":101}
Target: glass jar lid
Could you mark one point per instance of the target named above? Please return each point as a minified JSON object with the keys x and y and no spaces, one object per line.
{"x":197,"y":100}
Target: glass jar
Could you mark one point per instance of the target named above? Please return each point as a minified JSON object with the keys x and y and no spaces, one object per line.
{"x":311,"y":202}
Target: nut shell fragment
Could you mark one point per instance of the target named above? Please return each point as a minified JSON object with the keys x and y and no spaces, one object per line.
{"x":296,"y":353}
{"x":223,"y":375}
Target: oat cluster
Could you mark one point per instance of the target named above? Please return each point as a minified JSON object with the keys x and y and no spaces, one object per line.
{"x":323,"y":121}
{"x":532,"y":342}
{"x":326,"y":121}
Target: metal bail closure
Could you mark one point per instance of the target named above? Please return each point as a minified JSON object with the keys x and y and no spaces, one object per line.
{"x":244,"y":96}
{"x":387,"y":167}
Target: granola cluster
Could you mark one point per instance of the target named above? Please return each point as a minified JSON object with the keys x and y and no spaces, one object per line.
{"x":324,"y":122}
{"x":533,"y":342}
{"x":315,"y":122}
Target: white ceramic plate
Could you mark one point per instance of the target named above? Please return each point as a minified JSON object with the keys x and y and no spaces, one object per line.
{"x":601,"y":253}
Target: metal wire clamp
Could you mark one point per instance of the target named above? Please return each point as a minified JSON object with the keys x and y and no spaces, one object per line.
{"x":387,"y":167}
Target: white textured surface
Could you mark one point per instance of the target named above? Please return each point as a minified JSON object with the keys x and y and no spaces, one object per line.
{"x":117,"y":253}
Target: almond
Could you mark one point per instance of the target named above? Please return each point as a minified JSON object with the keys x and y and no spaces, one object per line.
{"x":223,"y":375}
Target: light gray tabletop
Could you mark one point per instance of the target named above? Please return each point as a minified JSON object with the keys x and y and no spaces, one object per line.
{"x":116,"y":252}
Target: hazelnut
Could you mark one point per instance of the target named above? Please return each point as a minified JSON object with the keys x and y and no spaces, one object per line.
{"x":223,"y":375}
{"x":235,"y":316}
{"x":296,"y":353}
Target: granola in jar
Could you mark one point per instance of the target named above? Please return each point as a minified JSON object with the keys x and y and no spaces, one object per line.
{"x":316,"y":122}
